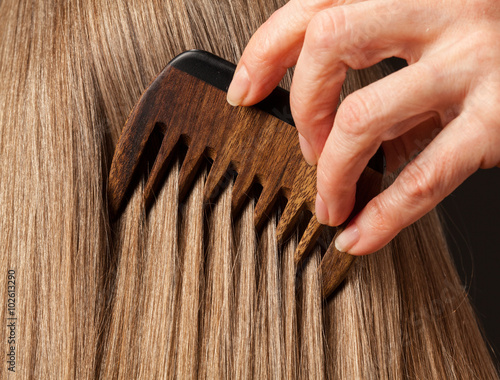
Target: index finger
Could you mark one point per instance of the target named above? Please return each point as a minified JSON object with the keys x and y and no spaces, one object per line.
{"x":273,"y":49}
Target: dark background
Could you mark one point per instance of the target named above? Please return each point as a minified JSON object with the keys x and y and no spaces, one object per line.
{"x":471,"y":217}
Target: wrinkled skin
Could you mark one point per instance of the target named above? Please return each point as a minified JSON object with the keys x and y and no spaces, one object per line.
{"x":444,"y":105}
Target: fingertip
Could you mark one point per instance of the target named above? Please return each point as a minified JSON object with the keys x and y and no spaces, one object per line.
{"x":347,"y":239}
{"x":321,"y":210}
{"x":239,"y":87}
{"x":307,"y":151}
{"x":364,"y":247}
{"x":326,"y":214}
{"x":335,"y":200}
{"x":371,"y":234}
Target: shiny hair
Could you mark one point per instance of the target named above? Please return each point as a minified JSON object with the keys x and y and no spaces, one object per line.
{"x":186,"y":290}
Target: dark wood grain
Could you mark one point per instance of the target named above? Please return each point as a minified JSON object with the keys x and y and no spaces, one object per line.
{"x":335,"y":264}
{"x":260,"y":147}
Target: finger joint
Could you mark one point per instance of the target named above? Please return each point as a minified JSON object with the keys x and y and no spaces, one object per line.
{"x":378,"y":215}
{"x":326,"y":29}
{"x":417,"y":181}
{"x":355,"y":114}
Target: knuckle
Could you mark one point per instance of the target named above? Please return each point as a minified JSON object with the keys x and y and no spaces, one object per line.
{"x":378,"y":215}
{"x":417,"y":180}
{"x":355,"y":112}
{"x":428,"y":70}
{"x":262,"y":48}
{"x":325,"y":29}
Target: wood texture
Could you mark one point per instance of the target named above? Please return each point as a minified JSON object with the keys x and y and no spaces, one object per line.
{"x":258,"y":146}
{"x":335,"y":264}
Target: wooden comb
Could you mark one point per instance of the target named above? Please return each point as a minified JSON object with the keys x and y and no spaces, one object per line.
{"x":187,"y":101}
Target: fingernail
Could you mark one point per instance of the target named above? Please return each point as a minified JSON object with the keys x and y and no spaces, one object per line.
{"x":307,"y":150}
{"x":321,"y":210}
{"x":239,"y":86}
{"x":347,"y":239}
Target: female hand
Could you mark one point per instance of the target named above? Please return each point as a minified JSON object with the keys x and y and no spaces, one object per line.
{"x":448,"y":97}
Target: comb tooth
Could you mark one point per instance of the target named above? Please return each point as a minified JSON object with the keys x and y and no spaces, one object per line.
{"x":334,"y":268}
{"x":158,"y":167}
{"x":126,"y":158}
{"x":189,"y":168}
{"x":302,"y":196}
{"x":241,"y":186}
{"x":217,"y":172}
{"x":264,"y":204}
{"x":289,"y":218}
{"x":308,"y":239}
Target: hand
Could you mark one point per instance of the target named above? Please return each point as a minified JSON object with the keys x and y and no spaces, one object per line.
{"x":448,"y":97}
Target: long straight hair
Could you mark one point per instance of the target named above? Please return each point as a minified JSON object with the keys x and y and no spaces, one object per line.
{"x":186,"y":290}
